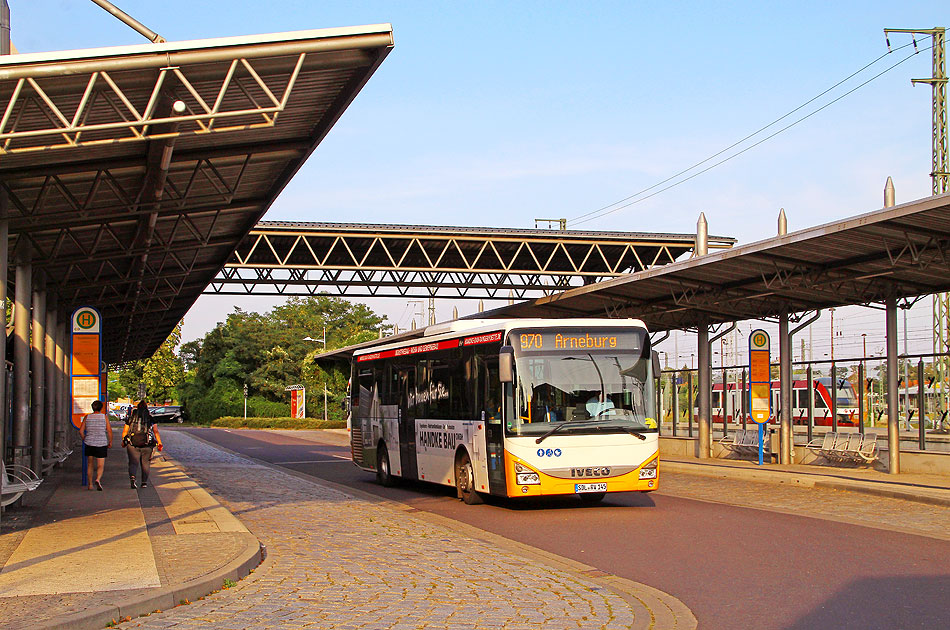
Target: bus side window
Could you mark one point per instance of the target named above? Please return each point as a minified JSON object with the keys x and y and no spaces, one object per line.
{"x":406,"y":381}
{"x":367,"y":393}
{"x":492,"y":389}
{"x":421,"y":407}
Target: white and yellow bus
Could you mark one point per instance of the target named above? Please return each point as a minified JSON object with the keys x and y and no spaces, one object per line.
{"x":511,"y":408}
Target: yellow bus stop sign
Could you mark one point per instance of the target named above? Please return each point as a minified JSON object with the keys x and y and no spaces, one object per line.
{"x":760,"y":394}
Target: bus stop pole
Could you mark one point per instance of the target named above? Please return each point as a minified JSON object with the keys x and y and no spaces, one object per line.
{"x":921,"y":408}
{"x":785,"y":390}
{"x":689,"y":403}
{"x":675,"y":403}
{"x":893,"y":413}
{"x":705,"y":390}
{"x":861,"y":386}
{"x":810,"y":394}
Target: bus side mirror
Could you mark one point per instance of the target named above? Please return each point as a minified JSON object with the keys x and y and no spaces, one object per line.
{"x":656,"y":364}
{"x":506,"y":364}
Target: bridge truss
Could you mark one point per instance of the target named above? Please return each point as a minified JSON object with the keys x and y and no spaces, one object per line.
{"x":355,"y":260}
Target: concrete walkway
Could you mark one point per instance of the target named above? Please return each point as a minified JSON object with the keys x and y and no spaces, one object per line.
{"x":73,"y":558}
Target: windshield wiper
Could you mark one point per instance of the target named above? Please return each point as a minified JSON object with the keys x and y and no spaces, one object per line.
{"x":559,"y":427}
{"x":629,"y":430}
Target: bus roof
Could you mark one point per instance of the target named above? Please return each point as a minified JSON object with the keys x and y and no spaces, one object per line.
{"x":463,"y":327}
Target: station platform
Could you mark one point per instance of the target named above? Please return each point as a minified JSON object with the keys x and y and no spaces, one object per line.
{"x":918,"y":487}
{"x":78,"y":558}
{"x":75,"y":558}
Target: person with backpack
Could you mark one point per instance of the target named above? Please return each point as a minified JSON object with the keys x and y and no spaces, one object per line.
{"x":139,"y":437}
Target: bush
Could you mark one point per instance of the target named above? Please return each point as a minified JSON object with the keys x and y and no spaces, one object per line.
{"x":260,"y":407}
{"x":234,"y":422}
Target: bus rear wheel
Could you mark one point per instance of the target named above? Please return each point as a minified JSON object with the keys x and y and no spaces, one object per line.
{"x":383,"y":474}
{"x":592,"y":497}
{"x":465,"y":480}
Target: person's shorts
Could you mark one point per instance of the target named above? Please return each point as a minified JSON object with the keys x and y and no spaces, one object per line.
{"x":97,"y":451}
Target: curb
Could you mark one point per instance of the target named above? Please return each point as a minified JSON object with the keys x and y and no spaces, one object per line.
{"x":667,"y":612}
{"x":165,"y":598}
{"x":806,"y":480}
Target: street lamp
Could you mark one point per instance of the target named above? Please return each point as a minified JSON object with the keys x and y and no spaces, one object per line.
{"x":323,"y":340}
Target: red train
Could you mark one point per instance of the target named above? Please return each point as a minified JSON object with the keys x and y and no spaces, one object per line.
{"x":847,"y":402}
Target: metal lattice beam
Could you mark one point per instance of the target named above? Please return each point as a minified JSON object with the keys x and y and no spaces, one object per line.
{"x":367,"y":260}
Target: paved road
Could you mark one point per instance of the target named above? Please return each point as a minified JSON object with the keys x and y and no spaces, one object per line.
{"x":340,"y":561}
{"x":792,"y":565}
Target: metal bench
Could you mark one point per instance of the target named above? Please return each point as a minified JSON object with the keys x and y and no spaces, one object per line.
{"x":845,"y":447}
{"x":735,"y":442}
{"x":742,"y":442}
{"x":15,"y":481}
{"x":867,"y":451}
{"x":55,"y":457}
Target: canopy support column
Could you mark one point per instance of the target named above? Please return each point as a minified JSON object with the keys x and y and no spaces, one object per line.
{"x":23,"y":292}
{"x":61,"y":438}
{"x":38,"y":381}
{"x":705,"y":391}
{"x":786,"y":451}
{"x":4,"y":271}
{"x":49,"y":374}
{"x":893,"y":412}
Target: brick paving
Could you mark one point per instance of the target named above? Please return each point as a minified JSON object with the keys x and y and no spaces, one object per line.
{"x":335,"y":561}
{"x":178,"y":558}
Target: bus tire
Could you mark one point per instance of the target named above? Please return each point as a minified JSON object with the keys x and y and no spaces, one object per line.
{"x":383,"y":473}
{"x":465,"y":480}
{"x":592,"y":497}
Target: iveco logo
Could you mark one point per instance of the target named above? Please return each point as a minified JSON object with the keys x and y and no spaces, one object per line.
{"x":602,"y":471}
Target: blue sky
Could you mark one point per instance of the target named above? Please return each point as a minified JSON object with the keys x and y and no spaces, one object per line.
{"x":508,"y":111}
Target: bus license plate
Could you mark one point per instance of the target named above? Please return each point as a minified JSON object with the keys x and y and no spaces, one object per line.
{"x":590,"y":487}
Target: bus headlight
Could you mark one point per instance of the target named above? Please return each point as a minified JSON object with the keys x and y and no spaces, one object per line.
{"x":528,"y":479}
{"x":525,"y":476}
{"x":649,"y":471}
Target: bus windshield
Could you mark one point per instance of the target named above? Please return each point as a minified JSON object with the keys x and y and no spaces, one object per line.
{"x":600,"y":379}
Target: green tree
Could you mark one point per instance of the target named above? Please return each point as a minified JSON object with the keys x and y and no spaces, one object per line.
{"x":115,"y":388}
{"x":268,"y":352}
{"x":161,"y":373}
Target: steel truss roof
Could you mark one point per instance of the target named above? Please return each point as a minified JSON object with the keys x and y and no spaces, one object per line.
{"x":133,"y":172}
{"x":901,"y":252}
{"x":283,"y":258}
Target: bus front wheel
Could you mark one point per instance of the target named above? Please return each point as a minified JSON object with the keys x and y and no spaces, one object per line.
{"x":465,"y":480}
{"x":383,"y":473}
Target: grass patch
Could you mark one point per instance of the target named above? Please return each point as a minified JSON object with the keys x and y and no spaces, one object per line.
{"x":277,"y":423}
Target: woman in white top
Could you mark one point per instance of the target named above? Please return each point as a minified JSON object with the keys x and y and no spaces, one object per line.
{"x":96,"y":433}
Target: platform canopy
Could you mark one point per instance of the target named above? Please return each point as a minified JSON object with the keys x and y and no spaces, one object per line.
{"x":132,"y":173}
{"x":901,"y":252}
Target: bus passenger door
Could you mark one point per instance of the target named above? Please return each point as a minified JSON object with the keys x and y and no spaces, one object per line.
{"x":405,"y":382}
{"x":491,"y":412}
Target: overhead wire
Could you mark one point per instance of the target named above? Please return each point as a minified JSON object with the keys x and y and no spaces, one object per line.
{"x":614,"y":207}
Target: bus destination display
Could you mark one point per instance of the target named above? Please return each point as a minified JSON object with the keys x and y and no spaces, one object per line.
{"x":529,"y":341}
